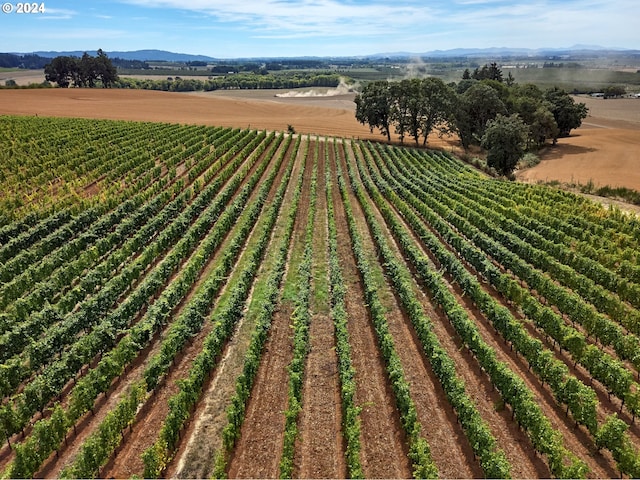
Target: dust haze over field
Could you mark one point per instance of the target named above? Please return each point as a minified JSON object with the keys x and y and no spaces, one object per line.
{"x":341,"y":89}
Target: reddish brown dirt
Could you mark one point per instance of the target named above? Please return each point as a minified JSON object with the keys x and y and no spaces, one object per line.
{"x":319,"y":451}
{"x":259,"y":448}
{"x":155,"y":106}
{"x":257,"y":453}
{"x":604,"y":150}
{"x":203,"y":436}
{"x":320,"y":445}
{"x":383,"y":447}
{"x":450,"y":449}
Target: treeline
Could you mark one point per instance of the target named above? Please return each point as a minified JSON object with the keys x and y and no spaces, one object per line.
{"x":86,"y":71}
{"x":36,"y":62}
{"x":240,"y":81}
{"x":29,"y":61}
{"x":505,"y":118}
{"x":130,"y":64}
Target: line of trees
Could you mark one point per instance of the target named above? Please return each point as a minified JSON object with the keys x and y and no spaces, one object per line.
{"x":483,"y":109}
{"x":86,"y":71}
{"x":238,"y":81}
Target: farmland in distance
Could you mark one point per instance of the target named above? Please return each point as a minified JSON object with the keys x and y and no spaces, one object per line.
{"x":196,"y":301}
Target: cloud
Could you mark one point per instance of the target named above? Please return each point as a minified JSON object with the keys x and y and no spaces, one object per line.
{"x":57,"y":14}
{"x":306,"y":18}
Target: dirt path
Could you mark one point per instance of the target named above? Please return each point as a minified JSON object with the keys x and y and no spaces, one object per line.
{"x":383,"y":453}
{"x":320,"y":445}
{"x":258,"y":450}
{"x":203,"y":437}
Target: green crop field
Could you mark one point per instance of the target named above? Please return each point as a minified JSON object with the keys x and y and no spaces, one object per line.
{"x":196,"y":301}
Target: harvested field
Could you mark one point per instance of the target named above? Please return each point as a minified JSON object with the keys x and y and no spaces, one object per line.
{"x":270,"y":112}
{"x":605,"y":150}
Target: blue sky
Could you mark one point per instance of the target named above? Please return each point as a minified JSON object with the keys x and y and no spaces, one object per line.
{"x":271,"y":28}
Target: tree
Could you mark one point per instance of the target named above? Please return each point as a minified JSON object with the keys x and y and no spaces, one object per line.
{"x":476,"y":106}
{"x":504,"y":139}
{"x":373,"y":107}
{"x":613,"y":91}
{"x":86,"y":75}
{"x":543,"y":126}
{"x":410,"y":107}
{"x":567,"y":113}
{"x":82,"y":72}
{"x":105,"y":70}
{"x":61,"y":70}
{"x":401,"y":107}
{"x":535,"y":112}
{"x":488,"y":72}
{"x":438,"y":106}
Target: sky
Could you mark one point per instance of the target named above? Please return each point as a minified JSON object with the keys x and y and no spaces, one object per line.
{"x":286,"y":28}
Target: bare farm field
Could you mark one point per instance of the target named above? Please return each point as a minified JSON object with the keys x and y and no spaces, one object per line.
{"x":240,"y":110}
{"x":605,"y":150}
{"x":188,"y":292}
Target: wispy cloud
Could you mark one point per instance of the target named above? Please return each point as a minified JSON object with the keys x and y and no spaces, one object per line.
{"x":307,"y":18}
{"x":235,"y":28}
{"x":57,"y":14}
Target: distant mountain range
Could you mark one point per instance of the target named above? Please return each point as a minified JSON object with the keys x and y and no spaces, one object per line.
{"x":512,"y":52}
{"x":503,"y":52}
{"x":142,"y":55}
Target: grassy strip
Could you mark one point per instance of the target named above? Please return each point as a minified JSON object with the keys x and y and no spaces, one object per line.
{"x":300,"y":321}
{"x":157,"y":457}
{"x":267,"y":303}
{"x":190,"y":321}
